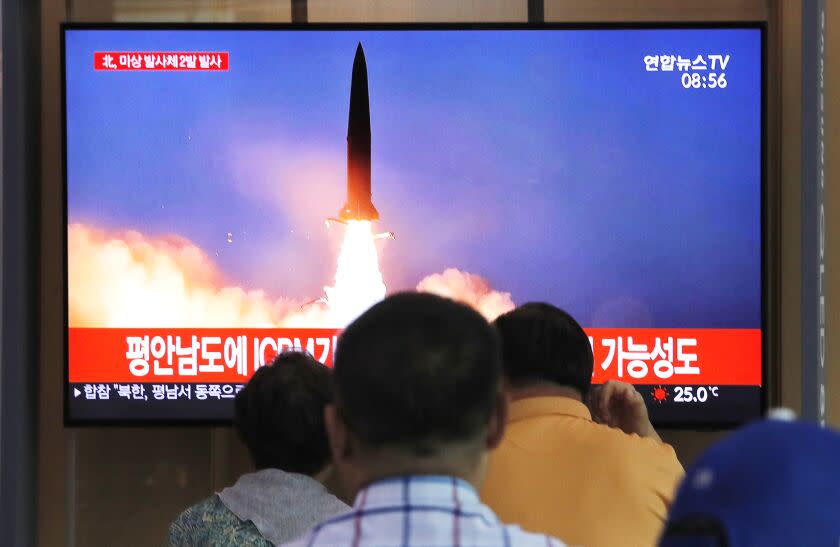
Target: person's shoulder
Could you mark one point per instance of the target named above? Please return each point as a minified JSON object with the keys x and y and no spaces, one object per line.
{"x":320,"y":536}
{"x":300,"y":542}
{"x":330,"y":505}
{"x":333,"y":530}
{"x":629,"y":441}
{"x":647,"y":453}
{"x":196,"y":515}
{"x":510,"y":535}
{"x":659,"y":450}
{"x":210,"y":522}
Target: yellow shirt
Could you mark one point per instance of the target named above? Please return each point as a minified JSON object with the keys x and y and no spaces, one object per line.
{"x":558,"y":472}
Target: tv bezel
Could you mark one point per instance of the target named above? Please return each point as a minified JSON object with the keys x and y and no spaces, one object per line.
{"x":670,"y":25}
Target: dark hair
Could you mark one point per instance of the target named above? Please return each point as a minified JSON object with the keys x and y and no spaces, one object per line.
{"x":540,"y":343}
{"x":415,"y":371}
{"x":279,"y":415}
{"x":695,"y":530}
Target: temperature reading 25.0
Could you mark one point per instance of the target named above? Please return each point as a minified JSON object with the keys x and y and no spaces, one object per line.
{"x":704,"y":81}
{"x":690,"y":394}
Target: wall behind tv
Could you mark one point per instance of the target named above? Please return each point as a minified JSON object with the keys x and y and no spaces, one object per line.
{"x":122,"y":486}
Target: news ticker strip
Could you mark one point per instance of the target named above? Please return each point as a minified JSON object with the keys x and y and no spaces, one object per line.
{"x":189,"y":401}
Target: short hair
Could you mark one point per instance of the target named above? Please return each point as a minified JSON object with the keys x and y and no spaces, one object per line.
{"x":542,"y":343}
{"x":416,"y":371}
{"x":279,"y":415}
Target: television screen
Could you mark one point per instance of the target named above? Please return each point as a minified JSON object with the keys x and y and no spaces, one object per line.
{"x":237,"y":191}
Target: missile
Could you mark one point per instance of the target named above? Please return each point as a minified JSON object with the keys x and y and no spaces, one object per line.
{"x":359,"y":205}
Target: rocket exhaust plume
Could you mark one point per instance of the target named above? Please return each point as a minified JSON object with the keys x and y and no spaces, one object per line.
{"x":358,"y":280}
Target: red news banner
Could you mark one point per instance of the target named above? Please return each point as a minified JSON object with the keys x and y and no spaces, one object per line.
{"x":161,"y":60}
{"x":642,"y":356}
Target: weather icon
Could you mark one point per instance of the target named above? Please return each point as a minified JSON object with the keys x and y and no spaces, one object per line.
{"x":660,"y":394}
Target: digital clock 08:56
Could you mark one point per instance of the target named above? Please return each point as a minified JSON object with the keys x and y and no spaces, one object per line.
{"x":709,"y":81}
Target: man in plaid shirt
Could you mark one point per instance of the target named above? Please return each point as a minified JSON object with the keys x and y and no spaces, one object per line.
{"x":418,"y":404}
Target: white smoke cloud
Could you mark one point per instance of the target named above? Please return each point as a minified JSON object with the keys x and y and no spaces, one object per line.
{"x":130,"y":280}
{"x":127,"y":280}
{"x":470,"y":289}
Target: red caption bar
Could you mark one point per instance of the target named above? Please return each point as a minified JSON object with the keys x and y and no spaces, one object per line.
{"x":186,"y":355}
{"x":642,"y":356}
{"x":677,"y":356}
{"x":200,"y":61}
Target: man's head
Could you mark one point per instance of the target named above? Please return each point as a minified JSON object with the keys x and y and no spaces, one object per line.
{"x":542,"y":344}
{"x":417,"y":384}
{"x":279,"y":415}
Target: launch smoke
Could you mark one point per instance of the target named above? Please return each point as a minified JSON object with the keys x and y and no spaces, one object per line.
{"x":130,"y":280}
{"x":358,"y":281}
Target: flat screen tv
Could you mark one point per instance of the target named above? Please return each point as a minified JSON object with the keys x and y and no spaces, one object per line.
{"x":237,"y":191}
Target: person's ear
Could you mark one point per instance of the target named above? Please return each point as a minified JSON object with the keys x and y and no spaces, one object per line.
{"x":337,"y":434}
{"x":498,"y":420}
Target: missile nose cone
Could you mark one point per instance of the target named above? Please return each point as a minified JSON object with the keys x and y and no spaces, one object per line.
{"x":360,"y":64}
{"x":359,"y":118}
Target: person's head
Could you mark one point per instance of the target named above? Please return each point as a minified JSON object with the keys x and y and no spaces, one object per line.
{"x":770,"y":483}
{"x":279,"y":415}
{"x":418,"y":390}
{"x":542,"y":344}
